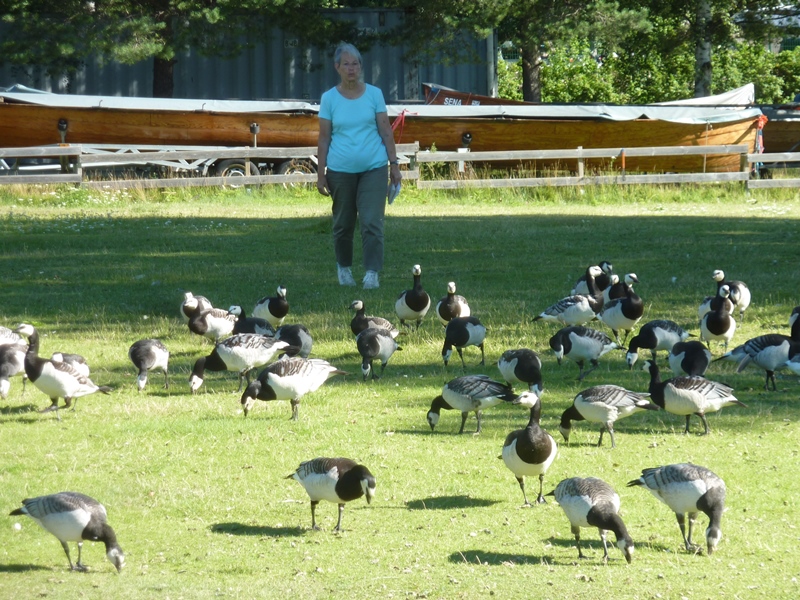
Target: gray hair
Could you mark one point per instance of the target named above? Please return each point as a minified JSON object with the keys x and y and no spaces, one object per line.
{"x":346,"y":48}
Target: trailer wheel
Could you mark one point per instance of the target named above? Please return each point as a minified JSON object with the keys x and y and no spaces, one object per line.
{"x":235,"y":167}
{"x":297,"y":166}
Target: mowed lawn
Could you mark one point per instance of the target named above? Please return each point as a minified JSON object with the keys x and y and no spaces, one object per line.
{"x":198,"y":494}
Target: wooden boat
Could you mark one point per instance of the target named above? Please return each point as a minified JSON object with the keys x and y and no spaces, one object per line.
{"x":32,"y":119}
{"x":782,"y":130}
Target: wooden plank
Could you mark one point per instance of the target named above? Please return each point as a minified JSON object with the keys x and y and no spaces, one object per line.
{"x":774,"y":157}
{"x":40,"y":152}
{"x":772,"y":183}
{"x":39,"y":179}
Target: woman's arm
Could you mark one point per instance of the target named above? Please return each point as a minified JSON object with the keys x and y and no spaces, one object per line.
{"x":387,"y":135}
{"x":322,"y":156}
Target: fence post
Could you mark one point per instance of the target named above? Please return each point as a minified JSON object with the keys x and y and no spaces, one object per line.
{"x":580,"y":163}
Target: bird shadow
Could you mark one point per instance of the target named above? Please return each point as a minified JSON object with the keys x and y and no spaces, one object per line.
{"x":18,"y":409}
{"x":22,"y":568}
{"x":482,"y":557}
{"x":449,"y":503}
{"x":258,"y":530}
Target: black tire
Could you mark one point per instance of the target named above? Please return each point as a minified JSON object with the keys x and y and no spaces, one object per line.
{"x":299,"y":166}
{"x":235,"y":167}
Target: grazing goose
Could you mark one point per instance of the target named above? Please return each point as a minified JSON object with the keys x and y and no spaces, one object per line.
{"x":241,"y":353}
{"x":617,"y":289}
{"x":298,"y":337}
{"x":211,"y":323}
{"x":654,"y":336}
{"x":8,"y":337}
{"x":56,"y":378}
{"x":689,"y":358}
{"x":530,"y":451}
{"x":245,"y":324}
{"x":192,"y":303}
{"x":522,"y":365}
{"x":580,"y":344}
{"x":577,"y":309}
{"x":273,"y":308}
{"x":76,"y":361}
{"x":74,"y":517}
{"x":469,"y":393}
{"x":622,"y":314}
{"x":12,"y":363}
{"x":147,"y":355}
{"x":289,"y":378}
{"x":338,"y":480}
{"x":718,"y":324}
{"x":688,"y":488}
{"x":688,"y":396}
{"x":375,"y":344}
{"x":591,"y":502}
{"x":462,"y":332}
{"x":413,"y":304}
{"x":604,"y":404}
{"x":452,"y":305}
{"x":602,"y":281}
{"x":361,"y":320}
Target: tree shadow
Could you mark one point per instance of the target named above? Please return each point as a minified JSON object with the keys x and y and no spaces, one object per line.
{"x":257,"y":530}
{"x":449,"y":503}
{"x":483,"y":557}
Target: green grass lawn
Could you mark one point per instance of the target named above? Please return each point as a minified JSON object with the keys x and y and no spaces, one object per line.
{"x":197,"y":493}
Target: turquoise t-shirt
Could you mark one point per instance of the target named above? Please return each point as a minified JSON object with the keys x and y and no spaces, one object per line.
{"x":356,"y":146}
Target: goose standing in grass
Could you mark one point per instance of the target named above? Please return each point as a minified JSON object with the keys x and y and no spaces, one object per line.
{"x":74,"y":517}
{"x":192,"y":303}
{"x":602,"y":281}
{"x":604,"y":404}
{"x":530,"y":451}
{"x":245,"y":324}
{"x":273,"y":308}
{"x":56,"y":378}
{"x":740,"y":295}
{"x":581,"y":344}
{"x":338,"y":480}
{"x":290,"y":378}
{"x":462,"y":332}
{"x":686,"y":396}
{"x":689,"y":358}
{"x":576,"y":309}
{"x":654,"y":336}
{"x":413,"y":304}
{"x":591,"y":502}
{"x":240,"y":353}
{"x":711,"y":302}
{"x":12,"y":363}
{"x":524,"y":366}
{"x":467,"y":394}
{"x":622,"y":314}
{"x":147,"y":355}
{"x":375,"y":344}
{"x":618,"y":288}
{"x":76,"y":361}
{"x":718,"y":324}
{"x":361,"y":320}
{"x":452,"y":305}
{"x":298,"y":337}
{"x":688,"y":488}
{"x":211,"y":323}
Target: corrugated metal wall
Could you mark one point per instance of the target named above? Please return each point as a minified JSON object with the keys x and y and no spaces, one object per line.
{"x":275,"y":68}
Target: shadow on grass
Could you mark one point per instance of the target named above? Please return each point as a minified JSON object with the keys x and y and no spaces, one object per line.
{"x":449,"y":503}
{"x":258,"y":530}
{"x":22,"y":568}
{"x":20,"y":409}
{"x":482,"y":557}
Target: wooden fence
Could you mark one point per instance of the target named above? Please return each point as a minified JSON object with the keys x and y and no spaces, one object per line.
{"x":75,"y":160}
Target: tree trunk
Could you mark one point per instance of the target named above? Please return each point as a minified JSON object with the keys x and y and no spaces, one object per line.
{"x":702,"y":49}
{"x":163,"y":77}
{"x":531,"y":70}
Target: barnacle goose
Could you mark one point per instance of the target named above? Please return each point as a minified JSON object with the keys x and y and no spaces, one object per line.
{"x":211,"y":323}
{"x":451,"y":305}
{"x":7,"y":336}
{"x":718,"y":324}
{"x":375,"y":344}
{"x":688,"y":488}
{"x":576,"y":309}
{"x":581,"y":344}
{"x":338,"y":480}
{"x":654,"y":336}
{"x":147,"y":355}
{"x":462,"y":332}
{"x":604,"y":404}
{"x":591,"y":502}
{"x":12,"y":363}
{"x":298,"y":337}
{"x":689,"y":358}
{"x":530,"y":451}
{"x":740,"y":295}
{"x":192,"y":303}
{"x":413,"y":304}
{"x":74,"y":517}
{"x":622,"y":314}
{"x":290,"y":378}
{"x":76,"y":361}
{"x":56,"y":378}
{"x":467,"y":394}
{"x":618,"y":288}
{"x":602,"y":281}
{"x":273,"y":308}
{"x":361,"y":320}
{"x":522,"y":365}
{"x":241,"y":353}
{"x":688,"y":396}
{"x":245,"y":324}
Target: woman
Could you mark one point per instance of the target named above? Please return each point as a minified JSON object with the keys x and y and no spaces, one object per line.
{"x":355,"y":145}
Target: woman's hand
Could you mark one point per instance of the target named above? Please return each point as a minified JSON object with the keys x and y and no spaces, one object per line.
{"x":394,"y":174}
{"x":322,"y":185}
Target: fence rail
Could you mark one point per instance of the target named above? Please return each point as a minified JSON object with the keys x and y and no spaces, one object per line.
{"x":76,"y":159}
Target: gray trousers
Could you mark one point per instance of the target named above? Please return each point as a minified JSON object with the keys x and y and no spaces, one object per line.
{"x":362,"y":197}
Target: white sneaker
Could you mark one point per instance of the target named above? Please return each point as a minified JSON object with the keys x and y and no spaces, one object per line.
{"x":345,"y":276}
{"x":371,"y":280}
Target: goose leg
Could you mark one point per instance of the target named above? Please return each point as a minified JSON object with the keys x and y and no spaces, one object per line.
{"x":521,"y":482}
{"x":294,"y":403}
{"x":464,"y":420}
{"x":600,"y":441}
{"x":483,"y":355}
{"x":79,"y":566}
{"x":461,"y":355}
{"x":576,"y":531}
{"x":540,"y":499}
{"x":686,"y":430}
{"x":339,"y":522}
{"x":603,"y":538}
{"x":478,"y":416}
{"x":66,"y":551}
{"x":313,"y":515}
{"x":705,"y":422}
